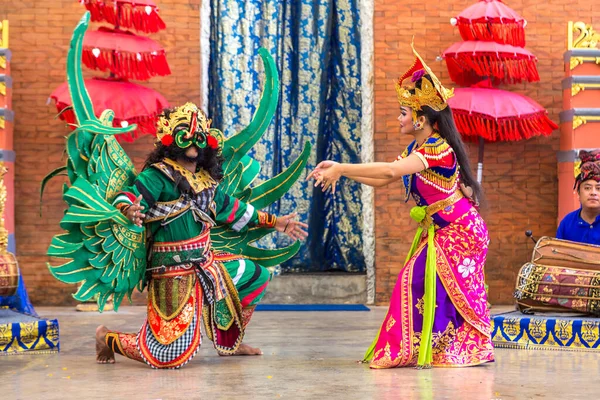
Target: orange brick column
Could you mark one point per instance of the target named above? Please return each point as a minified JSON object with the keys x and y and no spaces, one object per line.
{"x":580,"y":119}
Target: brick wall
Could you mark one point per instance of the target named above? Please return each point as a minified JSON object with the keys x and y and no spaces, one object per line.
{"x":520,"y":179}
{"x":39,"y":37}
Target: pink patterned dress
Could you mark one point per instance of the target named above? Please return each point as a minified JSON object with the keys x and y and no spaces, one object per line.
{"x":461,"y":321}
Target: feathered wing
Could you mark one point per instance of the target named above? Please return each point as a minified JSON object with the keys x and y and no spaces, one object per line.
{"x":106,"y":253}
{"x":241,"y":171}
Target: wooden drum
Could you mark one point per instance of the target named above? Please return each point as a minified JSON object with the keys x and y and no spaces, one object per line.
{"x":9,"y":274}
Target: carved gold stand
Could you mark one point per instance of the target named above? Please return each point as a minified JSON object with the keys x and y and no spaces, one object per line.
{"x":31,"y":334}
{"x":9,"y":269}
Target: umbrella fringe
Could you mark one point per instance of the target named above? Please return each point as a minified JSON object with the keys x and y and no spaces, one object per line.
{"x":127,"y":65}
{"x":512,"y":33}
{"x":467,"y":70}
{"x":146,"y":125}
{"x":474,"y":125}
{"x":131,"y":16}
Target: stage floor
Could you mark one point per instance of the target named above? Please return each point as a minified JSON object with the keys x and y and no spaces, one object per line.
{"x":307,"y":355}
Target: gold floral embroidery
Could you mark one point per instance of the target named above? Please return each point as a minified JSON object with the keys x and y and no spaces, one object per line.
{"x":441,"y":341}
{"x":198,"y":181}
{"x":470,"y":344}
{"x":420,"y":306}
{"x":466,"y":237}
{"x":391,"y":322}
{"x":386,"y":361}
{"x":405,"y":352}
{"x":463,"y":346}
{"x":128,"y":344}
{"x":247,"y":315}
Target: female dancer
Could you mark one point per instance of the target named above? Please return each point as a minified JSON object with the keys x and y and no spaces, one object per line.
{"x":438,"y":313}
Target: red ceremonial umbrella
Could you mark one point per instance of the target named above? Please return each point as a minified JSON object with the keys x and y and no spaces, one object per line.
{"x":491,"y":20}
{"x":132,"y":104}
{"x":141,"y":15}
{"x":124,"y":54}
{"x":472,"y":61}
{"x":497,"y":115}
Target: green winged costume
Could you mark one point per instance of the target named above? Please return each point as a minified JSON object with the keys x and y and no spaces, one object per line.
{"x":194,"y":253}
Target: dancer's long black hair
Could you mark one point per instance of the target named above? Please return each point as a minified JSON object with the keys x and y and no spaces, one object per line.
{"x":443,"y":122}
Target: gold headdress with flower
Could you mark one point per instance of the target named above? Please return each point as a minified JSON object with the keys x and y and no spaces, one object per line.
{"x":431,"y":93}
{"x":185,"y":125}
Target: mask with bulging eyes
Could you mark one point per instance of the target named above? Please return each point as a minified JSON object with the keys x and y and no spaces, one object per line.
{"x":184,"y":126}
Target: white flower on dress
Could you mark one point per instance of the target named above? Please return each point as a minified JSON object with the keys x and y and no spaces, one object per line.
{"x":467,"y":267}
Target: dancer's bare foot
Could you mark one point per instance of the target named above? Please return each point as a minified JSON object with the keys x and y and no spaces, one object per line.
{"x":245,"y":350}
{"x":104,"y":355}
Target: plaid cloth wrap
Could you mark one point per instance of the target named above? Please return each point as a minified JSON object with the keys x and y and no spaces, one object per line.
{"x":162,"y":210}
{"x":188,"y":285}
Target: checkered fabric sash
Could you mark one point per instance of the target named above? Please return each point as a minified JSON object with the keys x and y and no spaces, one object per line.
{"x":168,"y":353}
{"x":200,"y":204}
{"x":163,"y":210}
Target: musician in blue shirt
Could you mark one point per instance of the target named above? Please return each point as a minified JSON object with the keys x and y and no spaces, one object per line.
{"x":583,"y":225}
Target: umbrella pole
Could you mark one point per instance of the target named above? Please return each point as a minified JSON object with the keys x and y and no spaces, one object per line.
{"x":480,"y":161}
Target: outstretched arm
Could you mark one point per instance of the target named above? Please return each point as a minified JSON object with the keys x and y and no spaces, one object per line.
{"x":328,"y":173}
{"x":374,"y":182}
{"x":382,"y":170}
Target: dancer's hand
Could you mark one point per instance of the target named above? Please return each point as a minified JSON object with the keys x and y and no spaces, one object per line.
{"x":319,"y":168}
{"x":327,"y":173}
{"x":288,"y":225}
{"x":134,"y":212}
{"x":325,"y":164}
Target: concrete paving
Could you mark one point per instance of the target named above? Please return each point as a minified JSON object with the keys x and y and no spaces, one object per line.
{"x":307,"y":355}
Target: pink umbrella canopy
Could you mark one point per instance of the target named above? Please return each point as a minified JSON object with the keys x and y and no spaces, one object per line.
{"x":491,"y":20}
{"x":473,"y":61}
{"x":132,"y":104}
{"x":141,"y":15}
{"x":124,"y":54}
{"x":498,"y":115}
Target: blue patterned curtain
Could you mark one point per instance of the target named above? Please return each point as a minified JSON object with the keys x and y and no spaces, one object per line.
{"x":316,"y":45}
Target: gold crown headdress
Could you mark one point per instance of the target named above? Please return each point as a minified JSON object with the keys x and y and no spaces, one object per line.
{"x":193,"y":124}
{"x":431,"y":93}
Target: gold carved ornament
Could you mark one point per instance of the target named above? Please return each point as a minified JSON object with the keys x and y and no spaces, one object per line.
{"x":587,"y":38}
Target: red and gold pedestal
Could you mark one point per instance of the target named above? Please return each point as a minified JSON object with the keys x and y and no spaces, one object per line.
{"x":580,"y":118}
